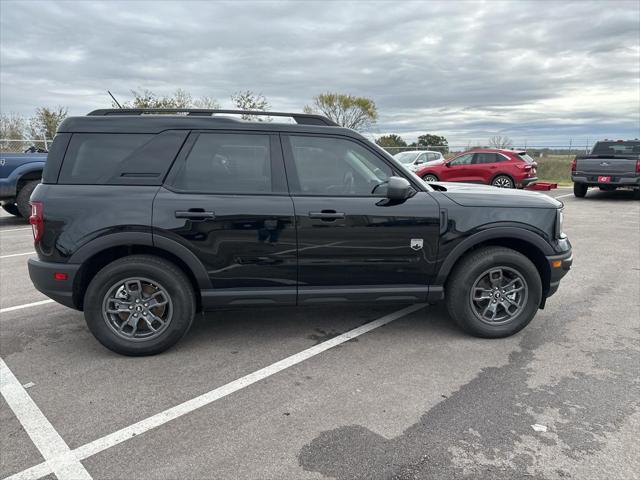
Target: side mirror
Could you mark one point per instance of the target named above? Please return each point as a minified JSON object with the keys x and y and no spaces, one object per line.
{"x":419,"y":161}
{"x":398,"y":189}
{"x":447,"y":164}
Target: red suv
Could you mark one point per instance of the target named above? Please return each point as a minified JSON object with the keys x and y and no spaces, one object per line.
{"x":500,"y":168}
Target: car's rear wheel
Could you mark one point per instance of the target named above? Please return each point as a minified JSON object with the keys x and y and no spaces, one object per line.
{"x":493,"y":292}
{"x":11,"y":208}
{"x":503,"y":181}
{"x":22,"y":199}
{"x":139,"y":305}
{"x":429,"y":177}
{"x":580,"y":189}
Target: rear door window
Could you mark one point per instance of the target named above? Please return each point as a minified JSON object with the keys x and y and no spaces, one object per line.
{"x":481,"y":158}
{"x":119,"y":158}
{"x":227,"y":163}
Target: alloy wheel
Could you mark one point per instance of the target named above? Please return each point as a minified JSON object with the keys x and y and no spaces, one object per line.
{"x":498,"y":295}
{"x":137,"y":309}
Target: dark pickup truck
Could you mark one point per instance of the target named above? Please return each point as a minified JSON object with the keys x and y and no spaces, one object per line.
{"x":609,"y":165}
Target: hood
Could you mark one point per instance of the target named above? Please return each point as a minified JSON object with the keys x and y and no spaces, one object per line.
{"x":472,"y":195}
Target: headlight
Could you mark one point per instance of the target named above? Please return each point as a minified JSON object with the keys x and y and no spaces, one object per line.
{"x":559,"y":223}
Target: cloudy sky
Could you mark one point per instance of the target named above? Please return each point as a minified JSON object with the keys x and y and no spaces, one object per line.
{"x":542,"y":71}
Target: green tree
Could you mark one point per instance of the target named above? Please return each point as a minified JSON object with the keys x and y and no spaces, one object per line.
{"x":392,"y":143}
{"x":247,"y":100}
{"x":433,"y":142}
{"x":357,"y":113}
{"x":179,"y":99}
{"x":45,"y":123}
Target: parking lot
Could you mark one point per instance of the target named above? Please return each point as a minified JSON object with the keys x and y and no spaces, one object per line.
{"x":338,"y":392}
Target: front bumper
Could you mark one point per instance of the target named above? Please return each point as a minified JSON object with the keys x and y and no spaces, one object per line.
{"x":44,"y":279}
{"x":560,"y":266}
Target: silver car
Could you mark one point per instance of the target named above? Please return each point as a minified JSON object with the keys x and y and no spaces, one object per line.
{"x":414,"y":159}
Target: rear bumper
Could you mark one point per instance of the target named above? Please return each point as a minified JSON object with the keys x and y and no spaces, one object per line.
{"x":526,"y":181}
{"x":560,"y":266}
{"x":616,"y":180}
{"x":42,"y":276}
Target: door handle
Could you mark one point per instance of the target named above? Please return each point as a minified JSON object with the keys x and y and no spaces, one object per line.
{"x":327,"y":215}
{"x":195,"y":214}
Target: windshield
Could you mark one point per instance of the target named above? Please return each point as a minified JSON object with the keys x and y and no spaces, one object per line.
{"x":406,"y":157}
{"x":616,"y":148}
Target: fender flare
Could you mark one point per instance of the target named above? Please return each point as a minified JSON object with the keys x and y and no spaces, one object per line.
{"x":147,"y":239}
{"x":14,"y":177}
{"x":489,"y":234}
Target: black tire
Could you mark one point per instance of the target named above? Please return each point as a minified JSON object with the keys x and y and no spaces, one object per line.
{"x":22,"y":199}
{"x":503,"y":181}
{"x":430,"y":177}
{"x":580,"y":190}
{"x":163,"y":273}
{"x":12,"y":209}
{"x":472,"y":267}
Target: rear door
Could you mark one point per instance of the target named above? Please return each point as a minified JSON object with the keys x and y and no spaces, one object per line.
{"x":484,"y":167}
{"x":226,"y":200}
{"x":353,"y":244}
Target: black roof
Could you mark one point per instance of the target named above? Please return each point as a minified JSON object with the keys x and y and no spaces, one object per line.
{"x":158,"y":120}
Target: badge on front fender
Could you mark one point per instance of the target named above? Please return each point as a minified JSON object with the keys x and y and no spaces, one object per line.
{"x":416,"y":243}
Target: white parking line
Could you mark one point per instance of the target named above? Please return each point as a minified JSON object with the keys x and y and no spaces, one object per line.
{"x":562,"y":196}
{"x":132,"y":431}
{"x":53,"y":448}
{"x":17,"y":254}
{"x":26,"y":305}
{"x":15,"y":229}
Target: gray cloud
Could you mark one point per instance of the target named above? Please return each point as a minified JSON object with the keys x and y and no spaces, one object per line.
{"x":542,"y":71}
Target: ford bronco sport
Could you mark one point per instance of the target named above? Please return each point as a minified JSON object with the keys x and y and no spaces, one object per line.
{"x":145,"y":217}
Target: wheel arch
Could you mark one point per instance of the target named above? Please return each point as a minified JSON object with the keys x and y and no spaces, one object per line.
{"x":528,"y":243}
{"x":96,"y":255}
{"x":424,"y":174}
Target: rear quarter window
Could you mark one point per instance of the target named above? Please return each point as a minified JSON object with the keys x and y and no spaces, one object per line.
{"x":120,"y":158}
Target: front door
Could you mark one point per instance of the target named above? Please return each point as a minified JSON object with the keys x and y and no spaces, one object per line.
{"x":226,"y":200}
{"x":352,"y":243}
{"x":459,"y":169}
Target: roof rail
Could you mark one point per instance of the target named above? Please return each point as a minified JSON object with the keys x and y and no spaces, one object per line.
{"x":300,"y":118}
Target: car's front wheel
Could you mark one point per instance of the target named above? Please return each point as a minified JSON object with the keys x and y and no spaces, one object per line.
{"x":429,"y":177}
{"x":139,"y":305}
{"x":493,"y":292}
{"x":503,"y":181}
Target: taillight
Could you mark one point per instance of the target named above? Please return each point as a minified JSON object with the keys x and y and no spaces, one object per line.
{"x":36,"y":220}
{"x":573,"y":165}
{"x":637,"y":166}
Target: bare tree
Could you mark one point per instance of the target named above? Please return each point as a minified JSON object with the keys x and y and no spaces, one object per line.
{"x":247,"y":100}
{"x":179,"y":99}
{"x":358,"y":113}
{"x":500,"y":141}
{"x":12,"y":127}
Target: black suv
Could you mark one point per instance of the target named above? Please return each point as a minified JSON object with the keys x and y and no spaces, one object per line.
{"x":145,"y":217}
